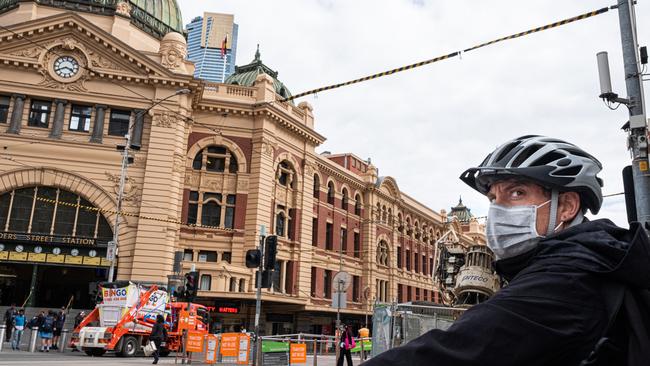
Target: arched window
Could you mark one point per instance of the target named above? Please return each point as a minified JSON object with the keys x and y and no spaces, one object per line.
{"x":400,"y":223}
{"x":378,"y":211}
{"x":211,"y":208}
{"x":316,"y":186}
{"x":330,"y":193}
{"x":344,"y":199}
{"x":206,"y":283}
{"x":382,"y":253}
{"x":51,"y":211}
{"x":357,"y":204}
{"x":286,"y":175}
{"x":384,"y":214}
{"x":217,"y":159}
{"x":390,"y":216}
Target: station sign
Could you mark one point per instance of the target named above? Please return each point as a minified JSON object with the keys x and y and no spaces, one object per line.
{"x":47,"y":239}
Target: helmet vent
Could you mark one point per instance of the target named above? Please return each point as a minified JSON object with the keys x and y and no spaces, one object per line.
{"x":547,"y":158}
{"x":568,"y":172}
{"x":525,"y":154}
{"x":506,"y":150}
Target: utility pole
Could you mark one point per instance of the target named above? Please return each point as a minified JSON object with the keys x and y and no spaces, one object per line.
{"x":258,"y":298}
{"x":638,"y":131}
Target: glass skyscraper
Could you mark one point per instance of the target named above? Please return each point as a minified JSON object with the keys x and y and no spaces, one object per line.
{"x":205,"y":42}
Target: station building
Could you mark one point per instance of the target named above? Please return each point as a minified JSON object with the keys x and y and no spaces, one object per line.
{"x":211,"y":168}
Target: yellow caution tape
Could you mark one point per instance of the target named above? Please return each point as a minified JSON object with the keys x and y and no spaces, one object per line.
{"x":453,"y":54}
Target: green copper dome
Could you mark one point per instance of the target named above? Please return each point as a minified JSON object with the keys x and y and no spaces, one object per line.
{"x":246,"y":75}
{"x":461,"y":212}
{"x":166,"y":11}
{"x":156,"y":17}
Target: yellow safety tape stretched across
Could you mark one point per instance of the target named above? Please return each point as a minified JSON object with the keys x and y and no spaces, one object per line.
{"x":450,"y":55}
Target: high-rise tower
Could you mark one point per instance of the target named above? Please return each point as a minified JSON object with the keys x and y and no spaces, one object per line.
{"x":212,"y":46}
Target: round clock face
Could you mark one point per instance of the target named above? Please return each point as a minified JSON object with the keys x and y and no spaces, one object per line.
{"x":74,"y":252}
{"x":19,"y":248}
{"x":56,"y":251}
{"x":37,"y":250}
{"x":92,"y":253}
{"x":66,"y":67}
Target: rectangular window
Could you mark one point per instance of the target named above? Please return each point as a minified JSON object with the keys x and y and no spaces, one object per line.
{"x":357,"y":245}
{"x":417,"y":294}
{"x":207,"y":256}
{"x":4,"y":108}
{"x":328,"y":236}
{"x":314,"y":231}
{"x":188,"y":255}
{"x":80,"y":118}
{"x":399,"y":257}
{"x":226,"y":257}
{"x":206,"y":282}
{"x":193,"y":207}
{"x":408,"y":293}
{"x":230,"y":211}
{"x":431,"y":269}
{"x":39,"y":114}
{"x":118,"y":125}
{"x":408,"y":260}
{"x":344,"y":241}
{"x":356,"y":288}
{"x":290,"y":224}
{"x":313,"y":281}
{"x":327,"y":284}
{"x":424,"y":264}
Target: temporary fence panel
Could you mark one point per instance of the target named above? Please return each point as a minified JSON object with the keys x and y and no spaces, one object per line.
{"x":297,"y":354}
{"x":243,"y":349}
{"x":211,"y":346}
{"x":229,"y":345}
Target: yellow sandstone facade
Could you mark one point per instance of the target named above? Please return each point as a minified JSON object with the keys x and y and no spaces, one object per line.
{"x":213,"y":167}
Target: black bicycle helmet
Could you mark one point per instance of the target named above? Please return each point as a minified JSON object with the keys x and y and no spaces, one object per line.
{"x":553,"y":163}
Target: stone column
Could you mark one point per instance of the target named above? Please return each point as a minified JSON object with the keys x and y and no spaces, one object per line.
{"x":98,"y":125}
{"x":59,"y":115}
{"x":17,"y":114}
{"x":136,"y":138}
{"x":283,"y":277}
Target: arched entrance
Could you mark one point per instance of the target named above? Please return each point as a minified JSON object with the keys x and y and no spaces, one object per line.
{"x":52,"y":247}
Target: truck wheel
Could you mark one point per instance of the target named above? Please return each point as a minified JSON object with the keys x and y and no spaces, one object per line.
{"x":130,"y":346}
{"x":94,"y":352}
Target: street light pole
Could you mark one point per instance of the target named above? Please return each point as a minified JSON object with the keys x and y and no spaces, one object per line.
{"x":113,"y":246}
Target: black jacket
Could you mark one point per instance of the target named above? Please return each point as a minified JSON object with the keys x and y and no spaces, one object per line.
{"x":158,"y":332}
{"x":552,"y":312}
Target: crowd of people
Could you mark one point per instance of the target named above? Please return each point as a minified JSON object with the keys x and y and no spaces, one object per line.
{"x":49,"y":325}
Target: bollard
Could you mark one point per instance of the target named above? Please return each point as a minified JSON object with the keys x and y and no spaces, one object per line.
{"x":315,"y":352}
{"x":32,"y":340}
{"x":62,"y":339}
{"x":3,"y":330}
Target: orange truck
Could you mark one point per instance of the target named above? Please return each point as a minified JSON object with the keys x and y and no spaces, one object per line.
{"x":124,"y":316}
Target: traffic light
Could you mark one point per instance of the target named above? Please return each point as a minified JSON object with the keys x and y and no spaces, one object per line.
{"x":270,"y":251}
{"x":191,"y":285}
{"x":253,"y":258}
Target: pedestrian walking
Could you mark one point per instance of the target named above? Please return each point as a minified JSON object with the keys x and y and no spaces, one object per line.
{"x":347,"y":343}
{"x":79,"y":318}
{"x":46,"y":331}
{"x":158,"y":336}
{"x":59,"y":322}
{"x":19,"y":326}
{"x":9,"y":321}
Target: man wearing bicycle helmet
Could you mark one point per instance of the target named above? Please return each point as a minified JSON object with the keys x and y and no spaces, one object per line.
{"x":560,"y":267}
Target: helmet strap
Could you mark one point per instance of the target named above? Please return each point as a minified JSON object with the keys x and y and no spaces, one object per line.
{"x":552,"y":219}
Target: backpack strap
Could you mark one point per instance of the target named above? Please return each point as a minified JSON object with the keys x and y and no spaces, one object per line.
{"x":606,"y":348}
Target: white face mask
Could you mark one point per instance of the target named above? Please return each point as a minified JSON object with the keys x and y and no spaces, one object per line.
{"x":512,"y":230}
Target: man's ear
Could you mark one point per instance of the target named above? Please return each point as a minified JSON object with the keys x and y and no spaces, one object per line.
{"x":568,"y":206}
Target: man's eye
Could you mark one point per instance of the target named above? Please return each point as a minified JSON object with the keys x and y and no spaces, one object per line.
{"x":516,"y":194}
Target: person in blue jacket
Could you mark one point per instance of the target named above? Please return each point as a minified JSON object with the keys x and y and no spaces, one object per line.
{"x":559,"y":267}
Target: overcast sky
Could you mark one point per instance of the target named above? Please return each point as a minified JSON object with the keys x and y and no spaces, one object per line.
{"x":425,"y":126}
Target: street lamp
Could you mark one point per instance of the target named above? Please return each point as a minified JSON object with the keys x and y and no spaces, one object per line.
{"x":111,"y":253}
